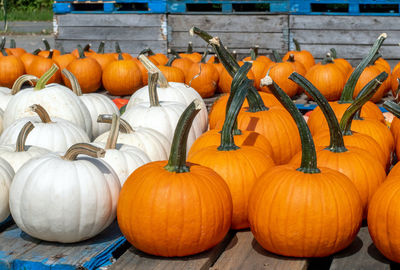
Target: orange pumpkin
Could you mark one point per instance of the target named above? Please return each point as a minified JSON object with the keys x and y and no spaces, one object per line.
{"x":173,"y":74}
{"x":14,"y":50}
{"x":40,"y":65}
{"x":118,"y":52}
{"x":303,"y":56}
{"x":11,"y":68}
{"x":394,"y":127}
{"x":341,"y":63}
{"x":63,"y":60}
{"x":259,"y":68}
{"x":47,"y":50}
{"x":193,"y":56}
{"x":197,"y":201}
{"x":102,"y":58}
{"x":86,"y":50}
{"x":27,"y":58}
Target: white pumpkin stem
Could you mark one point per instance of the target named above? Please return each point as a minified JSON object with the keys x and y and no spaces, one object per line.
{"x":22,"y":136}
{"x":152,"y":68}
{"x":76,"y":88}
{"x":113,"y":135}
{"x":124,"y":126}
{"x":83,"y":149}
{"x":152,"y":85}
{"x":21,"y":80}
{"x":41,"y":112}
{"x":41,"y":83}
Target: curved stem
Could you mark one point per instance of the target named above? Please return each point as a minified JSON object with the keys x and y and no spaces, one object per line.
{"x":152,"y":86}
{"x":367,"y":92}
{"x":83,"y":149}
{"x":348,"y":90}
{"x":100,"y":50}
{"x":76,"y":88}
{"x":309,"y":156}
{"x":170,"y":60}
{"x":21,"y":80}
{"x":203,"y":58}
{"x":392,"y":107}
{"x":41,"y":83}
{"x":41,"y":112}
{"x":297,"y":44}
{"x":152,"y":68}
{"x":50,"y":54}
{"x":22,"y":136}
{"x":46,"y":44}
{"x":177,"y":157}
{"x":114,"y":131}
{"x":81,"y":52}
{"x":336,"y":137}
{"x":36,"y":52}
{"x":240,"y":87}
{"x":124,"y":126}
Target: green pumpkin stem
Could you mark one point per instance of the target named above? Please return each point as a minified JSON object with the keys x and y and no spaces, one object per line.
{"x":348,"y":90}
{"x":100,"y":50}
{"x":366,"y":93}
{"x":328,"y":59}
{"x":297,"y":45}
{"x":114,"y":131}
{"x":87,"y":47}
{"x":152,"y":86}
{"x":173,"y":52}
{"x":177,"y":157}
{"x":374,"y":59}
{"x":170,"y":60}
{"x":76,"y":88}
{"x":36,"y":52}
{"x":277,"y":57}
{"x":41,"y":83}
{"x":41,"y":112}
{"x":240,"y":87}
{"x":83,"y":149}
{"x":336,"y":137}
{"x":120,"y":57}
{"x":144,"y":51}
{"x":190,"y":47}
{"x":392,"y":107}
{"x":309,"y":156}
{"x":333,"y":53}
{"x":81,"y":52}
{"x":13,"y":44}
{"x":22,"y":136}
{"x":46,"y":44}
{"x":254,"y":53}
{"x":51,"y":53}
{"x":2,"y":45}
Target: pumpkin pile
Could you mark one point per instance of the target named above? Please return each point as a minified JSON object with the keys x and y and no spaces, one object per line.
{"x":168,"y":170}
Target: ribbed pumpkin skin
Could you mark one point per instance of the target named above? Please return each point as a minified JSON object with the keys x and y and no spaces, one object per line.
{"x":247,"y":138}
{"x":304,"y":215}
{"x":316,"y":120}
{"x":304,"y":57}
{"x":183,"y":64}
{"x":143,"y":71}
{"x":40,"y":65}
{"x":384,"y":219}
{"x":122,"y":77}
{"x":362,"y":141}
{"x":329,"y":79}
{"x":204,"y":82}
{"x":395,"y":128}
{"x":358,"y":165}
{"x":344,"y":65}
{"x":239,"y":169}
{"x":259,"y":71}
{"x":102,"y":59}
{"x":279,"y":74}
{"x":11,"y":68}
{"x":64,"y":60}
{"x":27,"y":59}
{"x":393,"y":80}
{"x":394,"y":172}
{"x":169,"y":214}
{"x":88,"y":73}
{"x":367,"y":75}
{"x":173,"y":74}
{"x":218,"y":109}
{"x":278,"y":127}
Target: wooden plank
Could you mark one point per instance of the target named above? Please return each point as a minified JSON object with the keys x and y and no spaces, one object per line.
{"x":359,"y":23}
{"x":361,"y":254}
{"x":118,"y":20}
{"x":129,"y":46}
{"x":332,"y":37}
{"x":243,"y":252}
{"x":229,"y":23}
{"x":89,"y":254}
{"x":135,"y":259}
{"x":111,"y":33}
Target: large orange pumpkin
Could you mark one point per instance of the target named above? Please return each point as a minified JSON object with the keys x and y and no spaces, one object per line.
{"x":11,"y":68}
{"x":40,"y":65}
{"x":186,"y":207}
{"x":303,"y":56}
{"x":341,"y":63}
{"x":102,"y":58}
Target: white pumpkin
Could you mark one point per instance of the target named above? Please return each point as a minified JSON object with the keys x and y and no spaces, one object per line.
{"x":58,"y":100}
{"x":96,"y":104}
{"x":152,"y":142}
{"x":161,"y":116}
{"x":18,"y":154}
{"x":65,"y":198}
{"x":1,"y":120}
{"x":6,"y":176}
{"x":123,"y":158}
{"x":7,"y":93}
{"x":170,"y":91}
{"x":5,"y":96}
{"x":55,"y":134}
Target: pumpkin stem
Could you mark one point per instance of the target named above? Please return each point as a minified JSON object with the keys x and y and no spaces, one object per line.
{"x":76,"y":88}
{"x":150,"y":52}
{"x":152,"y":86}
{"x":177,"y":158}
{"x":190,"y":47}
{"x":216,"y":60}
{"x":309,"y":156}
{"x":41,"y":112}
{"x":117,"y":47}
{"x":21,"y":80}
{"x":83,"y":149}
{"x":170,"y":60}
{"x":173,"y":52}
{"x":13,"y":44}
{"x":87,"y":47}
{"x":276,"y":56}
{"x":22,"y":136}
{"x":374,"y":59}
{"x":327,"y":59}
{"x":81,"y":52}
{"x":100,"y":50}
{"x":36,"y":52}
{"x":2,"y":45}
{"x":114,"y":131}
{"x":240,"y":87}
{"x":392,"y":107}
{"x":254,"y":53}
{"x":297,"y":44}
{"x":291,"y":58}
{"x":41,"y":83}
{"x":336,"y":137}
{"x":366,"y":93}
{"x":124,"y":126}
{"x":50,"y":54}
{"x":203,"y":58}
{"x":144,"y":51}
{"x":333,"y":53}
{"x":46,"y":44}
{"x":152,"y":68}
{"x":348,"y":90}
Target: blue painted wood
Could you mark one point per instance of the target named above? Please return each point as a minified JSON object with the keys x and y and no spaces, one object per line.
{"x":310,"y":107}
{"x":20,"y":251}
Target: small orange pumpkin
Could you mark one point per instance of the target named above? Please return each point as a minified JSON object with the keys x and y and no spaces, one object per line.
{"x":40,"y":65}
{"x":303,"y":56}
{"x":11,"y":67}
{"x":173,"y":74}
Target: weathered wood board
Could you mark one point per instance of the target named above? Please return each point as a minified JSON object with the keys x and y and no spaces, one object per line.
{"x":133,"y":31}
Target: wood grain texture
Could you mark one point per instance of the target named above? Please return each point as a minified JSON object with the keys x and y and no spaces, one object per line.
{"x":118,"y":20}
{"x":361,"y":254}
{"x":134,"y":259}
{"x":243,"y":252}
